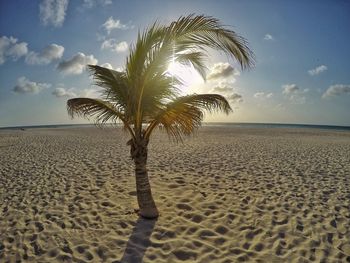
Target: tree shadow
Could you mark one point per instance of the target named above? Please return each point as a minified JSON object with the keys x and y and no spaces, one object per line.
{"x":139,"y":241}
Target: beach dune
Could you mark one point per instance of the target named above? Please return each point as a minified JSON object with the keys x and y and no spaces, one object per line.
{"x":228,"y":194}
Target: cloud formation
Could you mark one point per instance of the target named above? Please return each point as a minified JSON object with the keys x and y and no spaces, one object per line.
{"x":63,"y":92}
{"x":10,"y":48}
{"x":336,"y":90}
{"x":77,"y":64}
{"x":24,"y":85}
{"x":228,"y":91}
{"x":235,"y":98}
{"x":263,"y":95}
{"x":112,"y":24}
{"x":294,"y":93}
{"x":53,"y":12}
{"x":222,"y":70}
{"x":107,"y":65}
{"x":46,"y":56}
{"x":290,"y":89}
{"x":268,"y":37}
{"x":317,"y":70}
{"x":92,"y":3}
{"x":113,"y":45}
{"x":223,"y":88}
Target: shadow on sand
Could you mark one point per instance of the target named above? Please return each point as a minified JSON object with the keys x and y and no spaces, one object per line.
{"x":139,"y":241}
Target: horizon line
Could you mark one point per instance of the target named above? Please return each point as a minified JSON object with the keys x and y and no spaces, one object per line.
{"x":204,"y":123}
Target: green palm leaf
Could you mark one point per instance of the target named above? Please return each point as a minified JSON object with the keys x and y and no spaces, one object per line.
{"x":101,"y":111}
{"x":183,"y":115}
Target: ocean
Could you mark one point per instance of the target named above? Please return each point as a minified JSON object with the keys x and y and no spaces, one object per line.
{"x":209,"y":124}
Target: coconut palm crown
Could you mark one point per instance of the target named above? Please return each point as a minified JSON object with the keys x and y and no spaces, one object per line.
{"x":145,"y":96}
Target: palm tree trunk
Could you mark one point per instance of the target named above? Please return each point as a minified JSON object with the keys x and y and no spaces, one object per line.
{"x":145,"y":200}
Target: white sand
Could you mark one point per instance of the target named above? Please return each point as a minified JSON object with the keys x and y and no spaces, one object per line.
{"x":226,"y":195}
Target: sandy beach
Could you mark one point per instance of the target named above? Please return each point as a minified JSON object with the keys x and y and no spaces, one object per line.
{"x":225,"y":195}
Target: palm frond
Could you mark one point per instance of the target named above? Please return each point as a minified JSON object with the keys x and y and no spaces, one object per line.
{"x":114,"y":83}
{"x":207,"y":32}
{"x":101,"y":111}
{"x":196,"y":59}
{"x":145,"y":92}
{"x":183,"y":115}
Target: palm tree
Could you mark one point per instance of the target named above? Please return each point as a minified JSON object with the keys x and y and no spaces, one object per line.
{"x":145,"y":96}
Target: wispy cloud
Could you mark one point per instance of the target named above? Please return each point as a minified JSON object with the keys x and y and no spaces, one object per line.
{"x":93,"y":3}
{"x":290,"y":89}
{"x":77,"y":64}
{"x":11,"y":48}
{"x":336,"y":90}
{"x":223,"y":88}
{"x":62,"y":92}
{"x":268,"y":37}
{"x":46,"y":56}
{"x":24,"y":85}
{"x":294,"y":93}
{"x":222,"y":70}
{"x":317,"y":70}
{"x":113,"y":45}
{"x":263,"y":95}
{"x":227,"y":91}
{"x":235,"y":98}
{"x":53,"y":12}
{"x":112,"y":24}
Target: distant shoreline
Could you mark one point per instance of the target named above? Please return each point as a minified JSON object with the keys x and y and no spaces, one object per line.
{"x":205,"y":124}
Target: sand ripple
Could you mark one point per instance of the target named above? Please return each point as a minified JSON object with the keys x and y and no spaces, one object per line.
{"x":227,"y":195}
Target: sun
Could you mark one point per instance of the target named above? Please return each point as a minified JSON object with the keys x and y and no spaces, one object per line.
{"x":174,"y":68}
{"x":189,"y":76}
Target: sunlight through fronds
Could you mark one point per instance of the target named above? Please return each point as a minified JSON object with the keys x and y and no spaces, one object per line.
{"x":145,"y":93}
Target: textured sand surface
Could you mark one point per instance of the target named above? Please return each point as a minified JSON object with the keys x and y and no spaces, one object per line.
{"x":226,"y":195}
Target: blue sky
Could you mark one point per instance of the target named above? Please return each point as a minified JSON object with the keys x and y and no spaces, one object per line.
{"x":301,"y":75}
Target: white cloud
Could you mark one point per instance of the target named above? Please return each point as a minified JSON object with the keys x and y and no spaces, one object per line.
{"x":107,"y":65}
{"x":290,"y":89}
{"x":53,"y":12}
{"x":24,"y":85}
{"x":113,"y":45}
{"x":60,"y":92}
{"x":90,"y":93}
{"x":222,"y":70}
{"x":235,"y":98}
{"x":223,"y":88}
{"x":336,"y":90}
{"x":259,"y":94}
{"x":263,"y":95}
{"x":77,"y":64}
{"x":10,"y":48}
{"x":46,"y":56}
{"x":294,"y":93}
{"x":93,"y":3}
{"x":268,"y":37}
{"x":112,"y":24}
{"x":317,"y":70}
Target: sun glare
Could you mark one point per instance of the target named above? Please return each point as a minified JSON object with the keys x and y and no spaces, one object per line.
{"x":187,"y":74}
{"x":174,"y":68}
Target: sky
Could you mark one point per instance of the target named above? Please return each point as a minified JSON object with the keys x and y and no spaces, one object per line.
{"x":301,"y":74}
